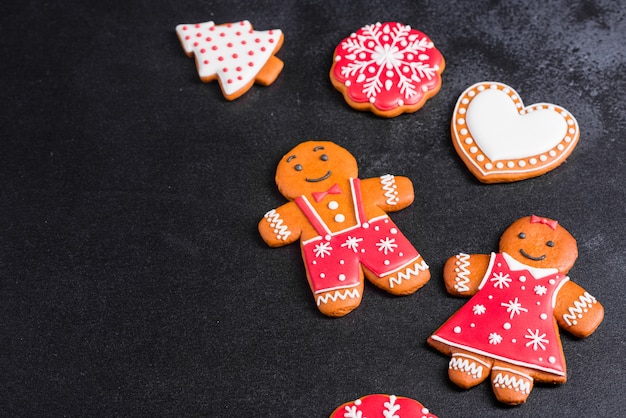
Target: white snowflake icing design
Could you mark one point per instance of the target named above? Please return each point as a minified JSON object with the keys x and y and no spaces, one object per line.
{"x":495,"y":338}
{"x":386,"y":245}
{"x":514,"y":307}
{"x":540,"y":290}
{"x":323,"y":249}
{"x":381,"y":55}
{"x":352,"y":243}
{"x":353,"y":412}
{"x":479,"y":309}
{"x":536,"y":340}
{"x":501,"y":280}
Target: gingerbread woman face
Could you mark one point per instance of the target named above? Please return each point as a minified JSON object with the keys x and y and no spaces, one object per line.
{"x":540,"y":242}
{"x":314,"y":165}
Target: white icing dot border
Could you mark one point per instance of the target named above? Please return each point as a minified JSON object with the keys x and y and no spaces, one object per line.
{"x":481,"y":165}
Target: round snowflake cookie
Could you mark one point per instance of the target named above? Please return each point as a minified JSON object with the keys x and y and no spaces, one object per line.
{"x":383,"y":406}
{"x":387,"y":68}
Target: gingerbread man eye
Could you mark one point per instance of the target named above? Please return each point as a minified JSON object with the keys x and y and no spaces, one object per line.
{"x":522,"y":235}
{"x":324,"y":157}
{"x":298,"y":167}
{"x":550,"y":243}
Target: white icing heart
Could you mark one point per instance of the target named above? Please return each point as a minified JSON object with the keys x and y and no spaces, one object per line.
{"x":502,"y":133}
{"x":500,"y":140}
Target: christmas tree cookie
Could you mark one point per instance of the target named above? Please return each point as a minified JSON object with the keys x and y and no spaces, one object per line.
{"x":234,"y":54}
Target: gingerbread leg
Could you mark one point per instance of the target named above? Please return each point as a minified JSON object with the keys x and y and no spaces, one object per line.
{"x":511,"y":384}
{"x":404,"y":281}
{"x":467,"y":370}
{"x":339,"y":302}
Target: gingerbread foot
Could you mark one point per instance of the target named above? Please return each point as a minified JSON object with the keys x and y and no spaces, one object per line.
{"x":468,"y":370}
{"x":340,"y":302}
{"x":510,"y":384}
{"x":403,"y":281}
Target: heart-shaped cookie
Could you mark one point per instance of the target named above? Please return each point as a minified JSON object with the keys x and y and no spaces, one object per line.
{"x":500,"y":140}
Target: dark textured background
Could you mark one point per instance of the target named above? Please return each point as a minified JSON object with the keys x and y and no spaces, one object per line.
{"x":133,"y":280}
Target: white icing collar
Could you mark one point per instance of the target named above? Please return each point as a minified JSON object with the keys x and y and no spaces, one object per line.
{"x":538,"y":273}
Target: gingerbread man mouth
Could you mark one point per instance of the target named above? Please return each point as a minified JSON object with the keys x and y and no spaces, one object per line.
{"x":324,"y":177}
{"x":525,"y":254}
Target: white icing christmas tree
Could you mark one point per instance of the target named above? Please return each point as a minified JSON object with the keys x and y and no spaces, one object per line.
{"x":234,"y":53}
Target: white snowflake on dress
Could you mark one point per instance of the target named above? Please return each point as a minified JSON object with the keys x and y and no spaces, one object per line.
{"x":352,"y":243}
{"x":540,"y":290}
{"x":514,"y":307}
{"x":501,"y":280}
{"x":536,"y":340}
{"x":388,"y":56}
{"x":479,"y":309}
{"x":495,"y":338}
{"x":386,"y":245}
{"x":353,"y":412}
{"x":323,"y":249}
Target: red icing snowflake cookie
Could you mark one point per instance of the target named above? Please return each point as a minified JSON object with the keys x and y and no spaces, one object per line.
{"x":234,"y":54}
{"x":509,"y":330}
{"x":500,"y":140}
{"x":387,"y":68}
{"x":382,"y":406}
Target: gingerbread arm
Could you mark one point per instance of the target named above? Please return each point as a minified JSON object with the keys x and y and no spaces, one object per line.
{"x":463,"y":273}
{"x":388,"y":192}
{"x":281,"y":226}
{"x":577,"y":311}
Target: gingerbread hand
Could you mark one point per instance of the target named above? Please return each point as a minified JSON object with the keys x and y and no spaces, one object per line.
{"x":344,"y":230}
{"x":508,"y":328}
{"x":463,"y":273}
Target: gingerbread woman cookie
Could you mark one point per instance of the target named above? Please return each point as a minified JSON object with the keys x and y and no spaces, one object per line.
{"x":342,"y":223}
{"x":520,"y":297}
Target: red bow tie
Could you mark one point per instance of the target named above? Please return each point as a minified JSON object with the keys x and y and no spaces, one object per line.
{"x":320,"y":195}
{"x":537,"y":220}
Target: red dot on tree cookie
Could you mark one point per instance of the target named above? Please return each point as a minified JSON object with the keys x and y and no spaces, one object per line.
{"x":208,"y":39}
{"x":235,"y":56}
{"x":197,"y":25}
{"x":202,"y":51}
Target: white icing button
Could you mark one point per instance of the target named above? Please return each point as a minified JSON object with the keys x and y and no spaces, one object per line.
{"x":552,"y":281}
{"x":506,"y":325}
{"x":366,"y":225}
{"x":333,"y":205}
{"x":322,"y":275}
{"x":472,"y":325}
{"x":551,"y":360}
{"x":513,"y":340}
{"x":393,"y":231}
{"x":387,"y":262}
{"x":457,"y":330}
{"x":522,"y":279}
{"x":543,"y":316}
{"x":342,"y":277}
{"x":342,"y":262}
{"x":339,"y":218}
{"x":327,"y":237}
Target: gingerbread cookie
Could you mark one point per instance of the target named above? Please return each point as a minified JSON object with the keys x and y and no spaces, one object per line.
{"x":387,"y":68}
{"x":342,"y":223}
{"x":234,"y":53}
{"x":382,"y":406}
{"x":520,"y":297}
{"x":500,"y":140}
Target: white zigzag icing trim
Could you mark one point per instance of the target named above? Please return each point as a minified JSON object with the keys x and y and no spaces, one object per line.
{"x":281,"y":231}
{"x":389,"y":186}
{"x":461,"y":278}
{"x":467,"y":364}
{"x":582,"y":305}
{"x":507,"y":381}
{"x":408,"y":272}
{"x":338,"y":294}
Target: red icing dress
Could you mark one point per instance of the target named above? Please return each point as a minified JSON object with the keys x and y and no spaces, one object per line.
{"x":333,"y":259}
{"x":511,"y":318}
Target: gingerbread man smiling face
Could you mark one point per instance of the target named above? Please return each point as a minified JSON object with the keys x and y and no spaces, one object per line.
{"x":520,"y":296}
{"x":343,"y":227}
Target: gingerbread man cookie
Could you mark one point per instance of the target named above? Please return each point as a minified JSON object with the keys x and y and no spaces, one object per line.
{"x":509,"y":330}
{"x":342,"y":223}
{"x":234,"y":54}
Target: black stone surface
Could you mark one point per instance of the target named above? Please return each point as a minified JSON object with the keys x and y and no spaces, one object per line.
{"x":133,"y":280}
